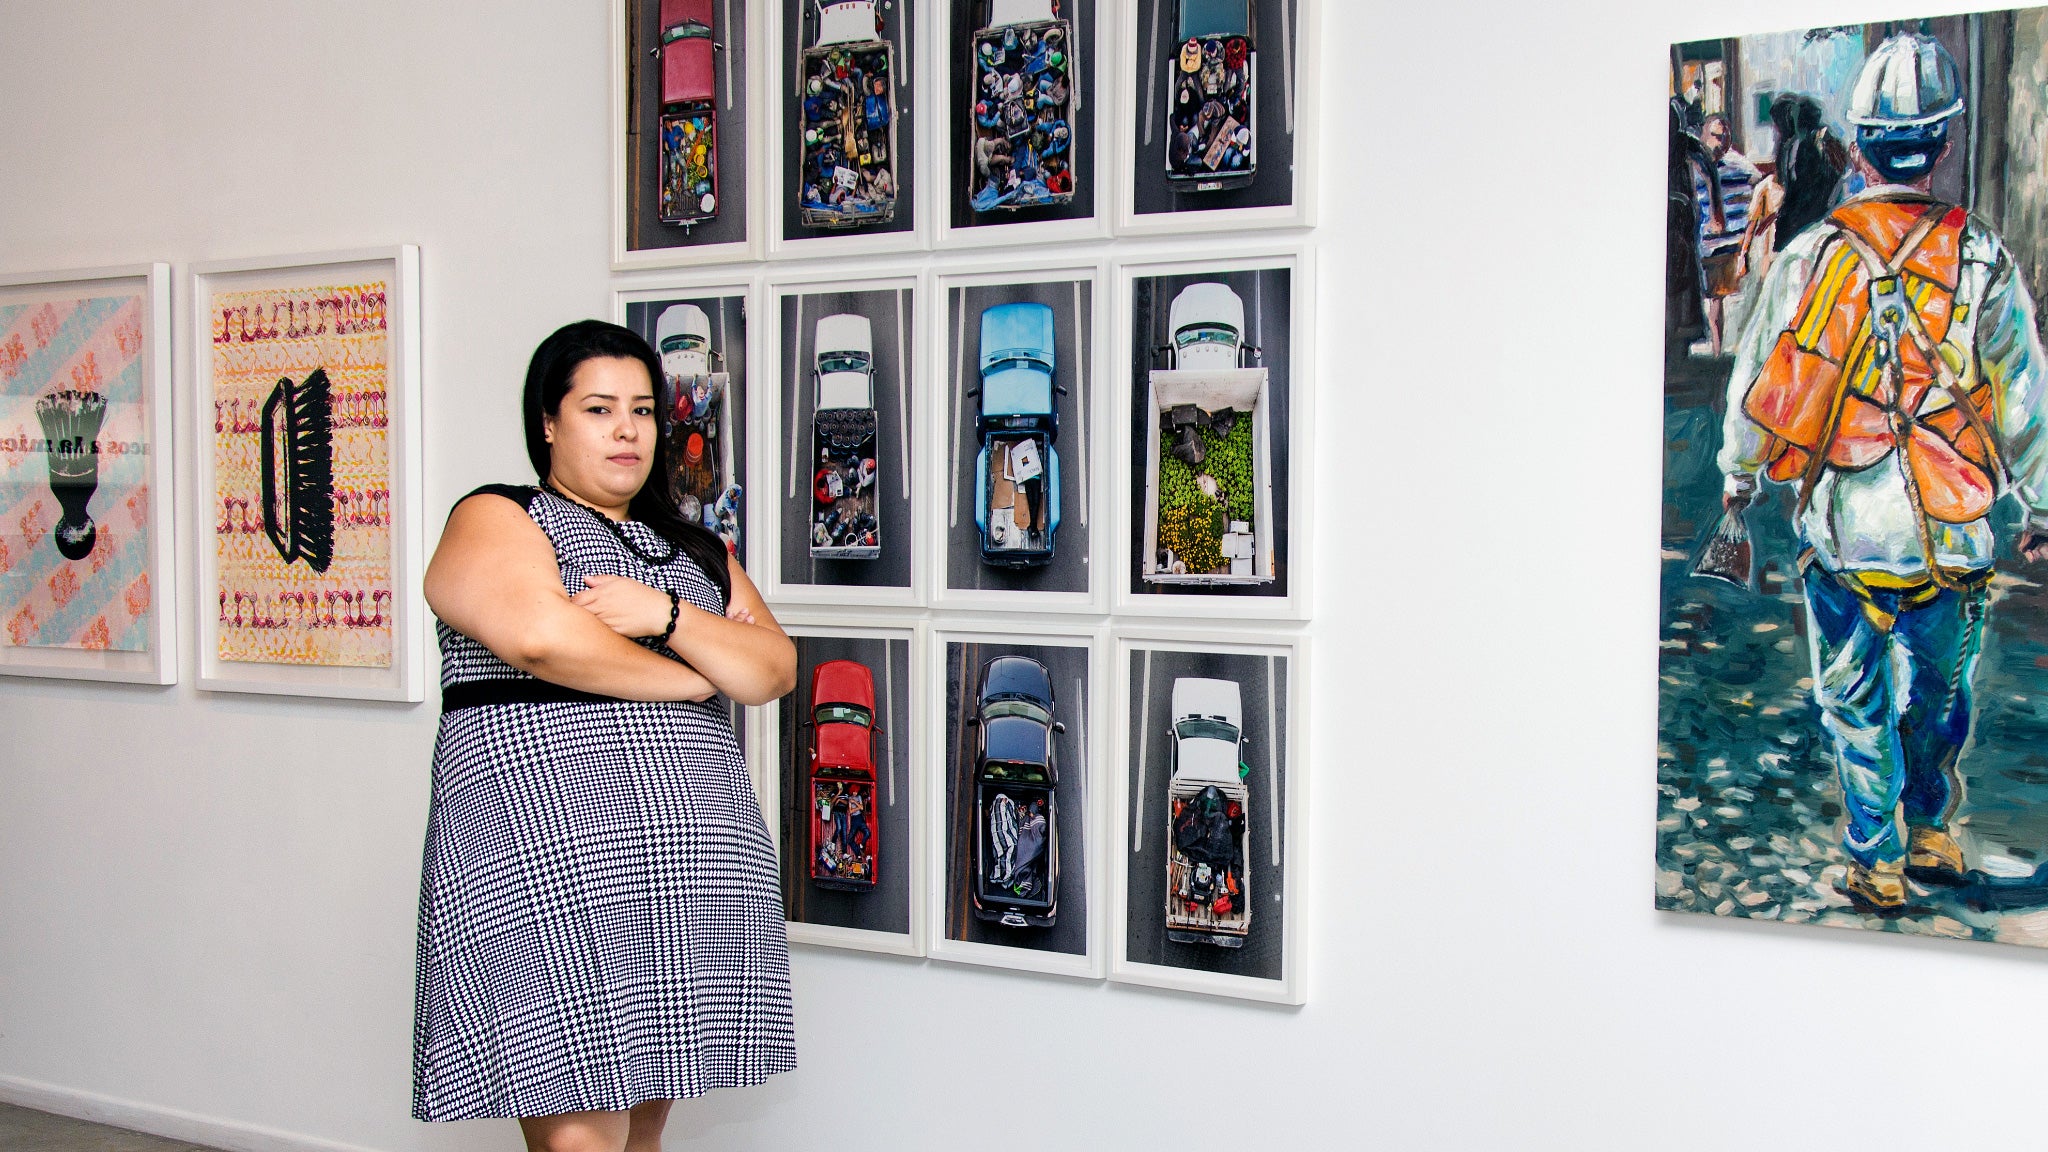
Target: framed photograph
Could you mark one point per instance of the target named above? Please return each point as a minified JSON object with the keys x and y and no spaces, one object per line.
{"x":702,"y":331}
{"x":86,"y":584}
{"x":845,"y":487}
{"x":1013,"y":829}
{"x":1209,"y":796}
{"x":306,"y":387}
{"x":1223,"y":99}
{"x":684,"y":173}
{"x":843,"y":173}
{"x":1214,"y":478}
{"x":1022,"y":496}
{"x":1020,"y":138}
{"x":847,"y":800}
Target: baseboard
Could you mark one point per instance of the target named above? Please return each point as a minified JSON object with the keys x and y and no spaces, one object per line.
{"x":170,"y":1123}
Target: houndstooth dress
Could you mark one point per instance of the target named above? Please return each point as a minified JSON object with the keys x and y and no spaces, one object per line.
{"x":600,"y":918}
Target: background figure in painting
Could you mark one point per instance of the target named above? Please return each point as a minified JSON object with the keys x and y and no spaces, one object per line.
{"x":1892,"y":371}
{"x":1722,"y":221}
{"x":1805,"y":180}
{"x":1684,"y":292}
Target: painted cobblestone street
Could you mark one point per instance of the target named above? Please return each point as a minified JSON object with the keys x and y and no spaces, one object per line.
{"x":1748,"y":808}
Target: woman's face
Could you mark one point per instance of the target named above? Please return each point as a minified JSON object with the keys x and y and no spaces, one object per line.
{"x":601,"y":439}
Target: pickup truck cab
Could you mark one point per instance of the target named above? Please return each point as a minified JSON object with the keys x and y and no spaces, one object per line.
{"x":1022,"y":106}
{"x":1016,"y":806}
{"x":1208,"y":327}
{"x":846,"y":119}
{"x":698,"y":421}
{"x":689,"y":113}
{"x":1211,"y":95}
{"x":845,"y":509}
{"x":1017,"y":472}
{"x":1208,"y":875}
{"x":846,"y":836}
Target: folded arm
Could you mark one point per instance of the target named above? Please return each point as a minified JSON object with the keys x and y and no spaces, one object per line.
{"x":494,"y":579}
{"x":745,"y":653}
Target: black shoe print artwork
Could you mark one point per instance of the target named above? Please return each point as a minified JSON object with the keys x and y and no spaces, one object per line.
{"x":71,"y":422}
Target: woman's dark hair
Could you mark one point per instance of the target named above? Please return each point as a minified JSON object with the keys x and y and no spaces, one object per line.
{"x":547,"y":381}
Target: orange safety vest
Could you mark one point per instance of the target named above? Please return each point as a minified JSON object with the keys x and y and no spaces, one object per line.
{"x":1837,"y":391}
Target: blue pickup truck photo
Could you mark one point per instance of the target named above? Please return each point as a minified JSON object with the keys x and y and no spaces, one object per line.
{"x":1017,"y":474}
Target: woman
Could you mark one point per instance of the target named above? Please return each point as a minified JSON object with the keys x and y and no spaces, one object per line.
{"x":600,"y":922}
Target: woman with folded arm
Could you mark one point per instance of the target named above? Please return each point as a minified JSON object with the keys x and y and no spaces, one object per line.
{"x":600,"y":923}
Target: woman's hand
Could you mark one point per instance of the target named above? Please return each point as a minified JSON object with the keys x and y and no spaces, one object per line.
{"x":626,"y":606}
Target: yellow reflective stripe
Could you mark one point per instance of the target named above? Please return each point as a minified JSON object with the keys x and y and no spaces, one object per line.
{"x":1822,"y":304}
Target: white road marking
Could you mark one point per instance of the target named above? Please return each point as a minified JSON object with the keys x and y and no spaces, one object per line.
{"x":902,"y":397}
{"x":1272,"y":763}
{"x":1152,"y":71}
{"x":959,"y":402}
{"x":789,"y":415}
{"x":1144,"y":744}
{"x":889,"y":698}
{"x":1287,"y":64}
{"x":1081,"y":398}
{"x":725,"y":23}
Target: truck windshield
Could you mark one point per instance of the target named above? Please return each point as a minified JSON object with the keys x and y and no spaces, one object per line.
{"x":688,"y":30}
{"x":1017,"y":708}
{"x":843,"y":714}
{"x":842,"y":361}
{"x":1206,"y":730}
{"x":685,"y":342}
{"x":1205,"y":334}
{"x":1214,"y":18}
{"x":1022,"y":773}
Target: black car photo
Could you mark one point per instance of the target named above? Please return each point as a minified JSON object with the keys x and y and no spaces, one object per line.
{"x":1016,"y":814}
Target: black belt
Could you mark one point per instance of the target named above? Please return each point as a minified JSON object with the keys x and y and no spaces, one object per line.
{"x":478,"y":693}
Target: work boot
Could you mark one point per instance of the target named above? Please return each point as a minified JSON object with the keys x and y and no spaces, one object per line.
{"x":1878,"y":888}
{"x":1933,"y":857}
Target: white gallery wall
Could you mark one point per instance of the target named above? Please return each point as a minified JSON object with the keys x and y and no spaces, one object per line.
{"x":206,"y":901}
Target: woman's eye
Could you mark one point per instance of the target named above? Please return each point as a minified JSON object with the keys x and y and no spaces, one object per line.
{"x":644,"y":410}
{"x":597,"y":409}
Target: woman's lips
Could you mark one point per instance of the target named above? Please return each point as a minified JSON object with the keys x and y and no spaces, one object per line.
{"x":625,"y":458}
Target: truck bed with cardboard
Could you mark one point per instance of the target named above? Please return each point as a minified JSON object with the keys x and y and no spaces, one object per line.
{"x":1023,"y":493}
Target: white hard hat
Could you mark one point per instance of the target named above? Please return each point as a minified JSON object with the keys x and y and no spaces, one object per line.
{"x":1910,"y":81}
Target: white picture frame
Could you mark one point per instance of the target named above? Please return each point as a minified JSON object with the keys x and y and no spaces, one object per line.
{"x":947,"y":894}
{"x":1299,"y":101}
{"x":399,"y":266}
{"x":1105,"y":169}
{"x":738,"y":86}
{"x":1085,"y":417}
{"x":1139,"y":751}
{"x":901,"y":380}
{"x":903,"y":739}
{"x":1297,"y":260}
{"x":778,"y":83}
{"x":722,"y":283}
{"x":150,"y":286}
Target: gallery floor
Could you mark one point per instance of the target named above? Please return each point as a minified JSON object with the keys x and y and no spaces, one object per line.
{"x":24,"y":1130}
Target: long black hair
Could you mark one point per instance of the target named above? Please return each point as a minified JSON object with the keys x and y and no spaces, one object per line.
{"x":547,"y":382}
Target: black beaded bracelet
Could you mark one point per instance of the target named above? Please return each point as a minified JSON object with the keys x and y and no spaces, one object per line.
{"x":675,"y":609}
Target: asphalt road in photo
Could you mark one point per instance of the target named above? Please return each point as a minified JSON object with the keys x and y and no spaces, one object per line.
{"x":887,"y":907}
{"x":888,"y":313}
{"x":1262,"y":687}
{"x":1268,"y":311}
{"x":1273,"y":110}
{"x":1072,"y":332}
{"x":1068,"y":667}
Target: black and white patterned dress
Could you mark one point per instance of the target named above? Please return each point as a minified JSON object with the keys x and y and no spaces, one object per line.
{"x":600,"y":919}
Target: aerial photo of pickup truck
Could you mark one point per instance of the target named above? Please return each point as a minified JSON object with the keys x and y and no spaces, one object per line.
{"x":846,"y":103}
{"x":1208,"y":878}
{"x":698,"y":419}
{"x":689,"y":115}
{"x":845,"y":519}
{"x":1016,"y":809}
{"x":1210,"y":97}
{"x":1017,"y":472}
{"x":1024,"y":99}
{"x":845,"y":840}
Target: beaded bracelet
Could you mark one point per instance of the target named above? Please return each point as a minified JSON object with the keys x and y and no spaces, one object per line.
{"x":675,"y":609}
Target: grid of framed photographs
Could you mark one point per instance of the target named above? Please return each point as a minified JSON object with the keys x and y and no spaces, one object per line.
{"x":999,"y":315}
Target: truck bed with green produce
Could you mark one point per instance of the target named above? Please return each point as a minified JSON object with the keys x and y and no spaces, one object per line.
{"x":1208,"y":513}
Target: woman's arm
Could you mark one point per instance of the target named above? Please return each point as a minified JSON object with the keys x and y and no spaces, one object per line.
{"x":746,"y":654}
{"x":494,"y":578}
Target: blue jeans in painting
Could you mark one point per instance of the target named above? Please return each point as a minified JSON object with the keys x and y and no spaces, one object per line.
{"x":1892,"y":672}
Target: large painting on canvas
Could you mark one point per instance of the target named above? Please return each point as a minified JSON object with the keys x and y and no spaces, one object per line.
{"x":1854,"y":644}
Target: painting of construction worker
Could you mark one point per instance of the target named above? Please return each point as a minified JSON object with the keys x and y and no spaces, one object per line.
{"x":1847,"y":738}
